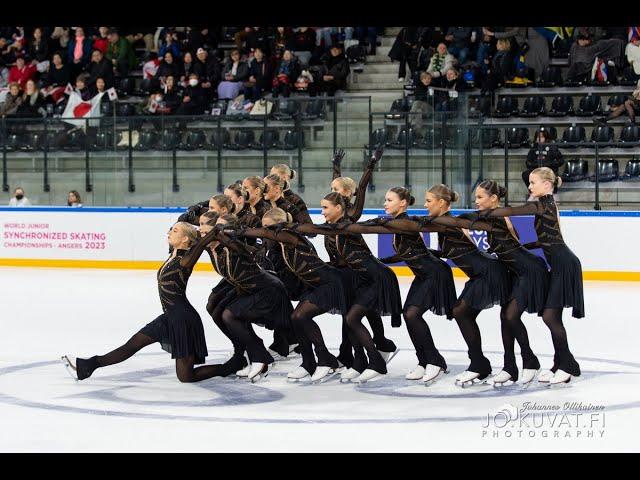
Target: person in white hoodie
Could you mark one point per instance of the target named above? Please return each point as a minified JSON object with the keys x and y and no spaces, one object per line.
{"x":632,"y":52}
{"x":19,"y":199}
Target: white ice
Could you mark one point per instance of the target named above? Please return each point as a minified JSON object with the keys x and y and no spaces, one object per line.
{"x":140,"y":405}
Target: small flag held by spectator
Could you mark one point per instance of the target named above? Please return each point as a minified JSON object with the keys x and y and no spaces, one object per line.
{"x":113,"y":95}
{"x":68,"y":89}
{"x":634,"y":33}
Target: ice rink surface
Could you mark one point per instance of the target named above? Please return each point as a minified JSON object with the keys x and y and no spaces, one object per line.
{"x":140,"y":405}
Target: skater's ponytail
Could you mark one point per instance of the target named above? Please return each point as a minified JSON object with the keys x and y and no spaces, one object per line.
{"x":443,"y":192}
{"x":547,"y":175}
{"x":404,"y":194}
{"x":284,"y":169}
{"x":493,"y":188}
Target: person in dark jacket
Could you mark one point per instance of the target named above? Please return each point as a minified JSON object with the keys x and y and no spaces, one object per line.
{"x":208,"y":69}
{"x":286,"y":74}
{"x":260,"y":76}
{"x":235,"y":70}
{"x":58,"y":74}
{"x":452,"y":82}
{"x":167,"y":67}
{"x":584,"y":52}
{"x":120,"y":53}
{"x":335,"y":78}
{"x":405,"y":49}
{"x":423,"y":102}
{"x":78,"y":52}
{"x":194,"y":98}
{"x":100,"y":67}
{"x":304,"y":40}
{"x":32,"y":102}
{"x":38,"y":47}
{"x":543,"y":154}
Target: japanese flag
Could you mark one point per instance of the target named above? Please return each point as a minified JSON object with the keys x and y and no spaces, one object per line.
{"x":77,"y":110}
{"x":113,"y":95}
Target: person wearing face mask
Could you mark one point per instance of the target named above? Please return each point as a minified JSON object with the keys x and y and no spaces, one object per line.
{"x":19,"y":199}
{"x":193,"y":100}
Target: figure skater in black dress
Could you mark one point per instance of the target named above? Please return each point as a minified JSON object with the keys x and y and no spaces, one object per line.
{"x":375,"y":288}
{"x":488,"y":284}
{"x":432,"y":288}
{"x":348,"y":189}
{"x":178,"y":330}
{"x":287,"y":174}
{"x":257,"y":296}
{"x":322,"y":291}
{"x":274,"y":190}
{"x":240,"y":198}
{"x":565,"y":285}
{"x":254,"y":186}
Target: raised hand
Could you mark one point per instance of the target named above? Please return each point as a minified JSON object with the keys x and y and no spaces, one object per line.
{"x":377,"y":155}
{"x":338,"y":156}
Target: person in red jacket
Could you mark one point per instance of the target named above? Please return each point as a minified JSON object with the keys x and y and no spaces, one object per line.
{"x":101,"y":42}
{"x":21,"y":72}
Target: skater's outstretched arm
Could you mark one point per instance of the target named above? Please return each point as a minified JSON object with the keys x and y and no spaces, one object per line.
{"x":532,"y":245}
{"x":337,"y":164}
{"x":467,"y":221}
{"x":391,"y":259}
{"x":267,"y":233}
{"x":529,"y":208}
{"x":355,"y":212}
{"x":191,"y":258}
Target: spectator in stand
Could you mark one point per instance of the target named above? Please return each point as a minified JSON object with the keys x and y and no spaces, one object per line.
{"x":405,"y":49}
{"x":281,"y":42}
{"x":632,"y":52}
{"x":38,"y":47}
{"x":4,"y":76}
{"x":141,"y":36}
{"x":56,"y":79}
{"x":286,"y":74}
{"x":73,"y":199}
{"x":584,"y":52}
{"x":101,"y":42}
{"x":17,"y":48}
{"x":208,"y":70}
{"x":120,"y":53}
{"x":452,"y":82}
{"x":423,"y":102}
{"x":32,"y":104}
{"x":257,"y":38}
{"x":167,"y":67}
{"x":503,"y":63}
{"x":79,"y":52}
{"x":260,"y":76}
{"x":370,"y":34}
{"x":241,"y":36}
{"x":303,"y":44}
{"x":60,"y":38}
{"x":165,"y":101}
{"x":100,"y":67}
{"x":544,"y":153}
{"x":150,"y":68}
{"x":460,"y":39}
{"x":12,"y":101}
{"x":441,"y":62}
{"x":187,"y":68}
{"x":170,"y":45}
{"x":235,"y":72}
{"x":323,"y":35}
{"x":22,"y":72}
{"x":335,"y":73}
{"x":100,"y":88}
{"x":6,"y":56}
{"x":82,"y":88}
{"x":630,"y":106}
{"x":194,"y":98}
{"x":19,"y":199}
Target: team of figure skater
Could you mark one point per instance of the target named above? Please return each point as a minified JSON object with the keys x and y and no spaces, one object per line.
{"x":257,"y":236}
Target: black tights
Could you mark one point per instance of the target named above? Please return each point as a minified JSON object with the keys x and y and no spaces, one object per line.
{"x":360,"y":338}
{"x":185,"y":369}
{"x":513,"y":329}
{"x":382,"y":343}
{"x":215,"y":307}
{"x":466,"y":316}
{"x":562,"y":358}
{"x":421,"y":338}
{"x":241,"y":331}
{"x":309,"y":335}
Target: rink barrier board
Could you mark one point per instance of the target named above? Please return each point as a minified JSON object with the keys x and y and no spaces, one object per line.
{"x":203,"y":267}
{"x":133,"y":257}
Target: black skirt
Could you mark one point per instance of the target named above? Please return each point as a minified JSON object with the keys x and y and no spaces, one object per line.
{"x":180,"y":332}
{"x":529,"y":280}
{"x":330,"y":294}
{"x":489,"y":281}
{"x":565,"y":285}
{"x":434,"y":289}
{"x":378,"y":290}
{"x":267,"y":305}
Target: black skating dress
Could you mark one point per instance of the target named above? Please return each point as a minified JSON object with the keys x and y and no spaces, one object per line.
{"x":565,"y":284}
{"x":179,"y":329}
